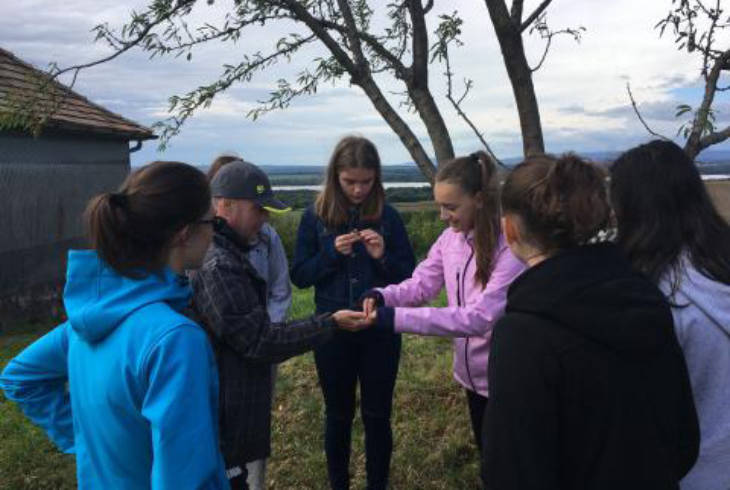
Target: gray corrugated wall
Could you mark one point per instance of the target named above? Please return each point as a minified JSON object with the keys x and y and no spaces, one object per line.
{"x":45,"y":184}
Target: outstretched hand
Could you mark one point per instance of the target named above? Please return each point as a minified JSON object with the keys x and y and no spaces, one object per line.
{"x":353,"y":321}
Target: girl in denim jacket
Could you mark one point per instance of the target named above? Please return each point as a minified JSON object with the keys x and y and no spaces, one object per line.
{"x":348,"y":242}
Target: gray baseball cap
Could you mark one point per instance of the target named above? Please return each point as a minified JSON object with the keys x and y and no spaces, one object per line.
{"x":244,"y":180}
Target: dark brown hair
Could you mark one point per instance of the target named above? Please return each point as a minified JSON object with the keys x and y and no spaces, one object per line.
{"x":131,"y":229}
{"x":220,"y":162}
{"x":331,"y":204}
{"x":664,"y":212}
{"x":474,"y":174}
{"x":561,"y":202}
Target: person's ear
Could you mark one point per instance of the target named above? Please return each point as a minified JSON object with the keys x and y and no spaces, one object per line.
{"x":479,"y":199}
{"x":181,"y":237}
{"x":510,"y":230}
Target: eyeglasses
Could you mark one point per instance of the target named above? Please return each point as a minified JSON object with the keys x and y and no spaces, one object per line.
{"x":216,"y":221}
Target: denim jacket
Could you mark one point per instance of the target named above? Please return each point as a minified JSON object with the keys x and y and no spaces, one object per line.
{"x":340,"y":280}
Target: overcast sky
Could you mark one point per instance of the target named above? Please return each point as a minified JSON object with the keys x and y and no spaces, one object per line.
{"x":581,"y":88}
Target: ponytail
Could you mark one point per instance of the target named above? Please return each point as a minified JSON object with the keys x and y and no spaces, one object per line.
{"x":562,"y":202}
{"x":477,"y":174}
{"x":132,"y":229}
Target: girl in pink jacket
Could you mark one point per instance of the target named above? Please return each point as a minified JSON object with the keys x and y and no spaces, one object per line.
{"x":472,"y":261}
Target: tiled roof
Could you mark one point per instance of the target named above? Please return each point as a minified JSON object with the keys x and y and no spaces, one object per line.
{"x":23,"y":86}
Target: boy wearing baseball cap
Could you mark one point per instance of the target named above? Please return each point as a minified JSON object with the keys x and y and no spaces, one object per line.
{"x":231,"y":298}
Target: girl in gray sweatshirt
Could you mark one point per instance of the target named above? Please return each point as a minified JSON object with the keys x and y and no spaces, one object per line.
{"x":671,"y":232}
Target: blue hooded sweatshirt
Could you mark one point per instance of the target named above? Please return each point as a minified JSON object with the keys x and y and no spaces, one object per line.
{"x":128,"y":383}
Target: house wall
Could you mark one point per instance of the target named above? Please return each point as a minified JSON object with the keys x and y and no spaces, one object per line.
{"x":45,"y":184}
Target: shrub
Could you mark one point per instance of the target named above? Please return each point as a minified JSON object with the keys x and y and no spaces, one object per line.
{"x":423,"y":227}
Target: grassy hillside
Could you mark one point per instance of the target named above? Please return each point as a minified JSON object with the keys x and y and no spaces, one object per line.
{"x":433,"y":446}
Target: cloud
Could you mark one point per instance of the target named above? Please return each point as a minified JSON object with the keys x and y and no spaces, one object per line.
{"x":581,"y":88}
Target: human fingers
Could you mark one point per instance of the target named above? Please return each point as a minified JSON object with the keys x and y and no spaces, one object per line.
{"x":368,"y":306}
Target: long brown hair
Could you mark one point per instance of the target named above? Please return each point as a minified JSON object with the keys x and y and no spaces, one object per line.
{"x":561,"y":202}
{"x":477,"y":174}
{"x":331,"y":204}
{"x":219,"y":162}
{"x":132,"y":229}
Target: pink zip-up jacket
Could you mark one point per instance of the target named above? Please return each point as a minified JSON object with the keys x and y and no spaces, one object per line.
{"x":472,"y":310}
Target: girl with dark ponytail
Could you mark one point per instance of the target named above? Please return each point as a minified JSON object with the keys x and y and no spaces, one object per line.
{"x":588,"y":384}
{"x":128,"y":383}
{"x":472,"y":262}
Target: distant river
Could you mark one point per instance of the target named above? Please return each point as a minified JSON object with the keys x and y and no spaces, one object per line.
{"x":395,"y":185}
{"x":715,"y":177}
{"x":387,"y":185}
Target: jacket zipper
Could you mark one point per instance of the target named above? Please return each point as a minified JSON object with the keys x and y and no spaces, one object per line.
{"x":466,"y":344}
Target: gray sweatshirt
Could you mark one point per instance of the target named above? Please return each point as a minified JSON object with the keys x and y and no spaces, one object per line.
{"x":701,"y":310}
{"x":268,"y":257}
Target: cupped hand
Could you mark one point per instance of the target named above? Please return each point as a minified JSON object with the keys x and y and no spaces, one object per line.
{"x":352,"y":321}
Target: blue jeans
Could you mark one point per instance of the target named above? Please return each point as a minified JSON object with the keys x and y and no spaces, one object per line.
{"x":370,"y":357}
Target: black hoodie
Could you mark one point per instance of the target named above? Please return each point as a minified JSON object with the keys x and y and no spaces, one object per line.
{"x":588,"y":385}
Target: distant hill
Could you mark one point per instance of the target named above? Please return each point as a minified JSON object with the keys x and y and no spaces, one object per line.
{"x":711,"y":162}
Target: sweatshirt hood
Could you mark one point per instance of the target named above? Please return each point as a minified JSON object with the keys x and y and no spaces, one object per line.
{"x":98,"y":299}
{"x":592,"y":291}
{"x":694,"y":288}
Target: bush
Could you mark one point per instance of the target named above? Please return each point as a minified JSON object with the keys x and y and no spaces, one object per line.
{"x":423,"y":227}
{"x":301,"y":198}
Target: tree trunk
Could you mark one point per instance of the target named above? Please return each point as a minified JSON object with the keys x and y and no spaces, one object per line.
{"x":520,"y":76}
{"x":409,"y":140}
{"x":435,"y":125}
{"x":417,"y":83}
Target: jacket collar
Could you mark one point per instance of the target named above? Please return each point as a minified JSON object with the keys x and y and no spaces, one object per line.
{"x":227,"y":238}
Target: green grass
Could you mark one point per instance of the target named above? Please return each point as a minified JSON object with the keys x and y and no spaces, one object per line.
{"x":28,"y":460}
{"x":433,"y":446}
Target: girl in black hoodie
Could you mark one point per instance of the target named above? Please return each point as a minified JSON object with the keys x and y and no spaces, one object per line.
{"x":588,"y":386}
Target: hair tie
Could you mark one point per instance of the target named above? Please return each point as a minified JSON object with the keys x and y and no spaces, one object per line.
{"x":475,"y":156}
{"x":118,"y":199}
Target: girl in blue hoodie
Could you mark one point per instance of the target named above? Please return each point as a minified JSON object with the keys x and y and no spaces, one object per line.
{"x":129,"y":384}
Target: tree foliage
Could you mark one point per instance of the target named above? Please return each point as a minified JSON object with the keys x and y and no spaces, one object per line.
{"x":696,"y":25}
{"x":360,"y":43}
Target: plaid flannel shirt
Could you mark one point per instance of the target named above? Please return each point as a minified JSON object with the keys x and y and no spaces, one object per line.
{"x":230,"y":299}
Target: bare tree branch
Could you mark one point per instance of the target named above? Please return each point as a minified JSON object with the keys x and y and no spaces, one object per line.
{"x":692,"y":147}
{"x":457,"y":106}
{"x":638,"y":114}
{"x":520,"y":76}
{"x":419,"y":68}
{"x":713,"y":139}
{"x":365,"y":81}
{"x":352,"y":35}
{"x":548,"y":35}
{"x":534,"y":15}
{"x":516,"y":12}
{"x":374,"y":44}
{"x":318,"y":30}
